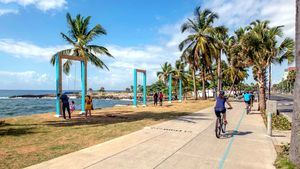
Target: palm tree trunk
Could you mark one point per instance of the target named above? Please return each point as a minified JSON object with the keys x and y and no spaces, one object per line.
{"x":262,"y":91}
{"x":270,"y":80}
{"x":85,"y":74}
{"x":219,"y":69}
{"x":194,"y":83}
{"x":295,"y":135}
{"x":203,"y":84}
{"x":231,"y":88}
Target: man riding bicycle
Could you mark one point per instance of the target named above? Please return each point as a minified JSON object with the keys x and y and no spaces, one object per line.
{"x":247,"y":99}
{"x":220,"y":106}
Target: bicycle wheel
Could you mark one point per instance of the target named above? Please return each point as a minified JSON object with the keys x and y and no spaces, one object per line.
{"x":223,"y":127}
{"x":218,"y":128}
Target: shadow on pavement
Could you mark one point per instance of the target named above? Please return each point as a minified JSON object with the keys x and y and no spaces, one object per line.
{"x":231,"y":133}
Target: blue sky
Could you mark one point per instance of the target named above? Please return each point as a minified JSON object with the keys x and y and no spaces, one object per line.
{"x":142,"y":34}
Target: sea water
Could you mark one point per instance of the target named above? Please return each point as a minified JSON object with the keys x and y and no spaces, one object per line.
{"x":10,"y":107}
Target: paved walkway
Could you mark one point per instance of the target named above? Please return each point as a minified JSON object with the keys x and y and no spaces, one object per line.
{"x":187,"y":142}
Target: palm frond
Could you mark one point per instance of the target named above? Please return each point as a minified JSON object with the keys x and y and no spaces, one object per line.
{"x":98,"y":50}
{"x":95,"y":60}
{"x":66,"y":66}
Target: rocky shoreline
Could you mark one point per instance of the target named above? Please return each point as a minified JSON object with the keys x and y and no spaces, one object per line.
{"x":96,"y":95}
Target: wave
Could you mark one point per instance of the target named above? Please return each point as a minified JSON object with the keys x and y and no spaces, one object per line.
{"x":4,"y":97}
{"x":126,"y":99}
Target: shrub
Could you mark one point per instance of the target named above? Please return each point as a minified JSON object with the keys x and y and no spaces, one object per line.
{"x":282,"y":160}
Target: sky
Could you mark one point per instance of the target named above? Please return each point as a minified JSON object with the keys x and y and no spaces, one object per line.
{"x":140,"y":34}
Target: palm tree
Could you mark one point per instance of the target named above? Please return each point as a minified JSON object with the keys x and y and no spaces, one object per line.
{"x":278,"y":57}
{"x":179,"y":73}
{"x":295,"y":135}
{"x":199,"y":46}
{"x":220,"y":34}
{"x":163,"y":75}
{"x":261,"y":47}
{"x":236,"y":71}
{"x":291,"y":78}
{"x":80,"y":38}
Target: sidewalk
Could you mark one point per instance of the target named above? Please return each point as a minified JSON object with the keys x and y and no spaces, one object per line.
{"x":187,"y":142}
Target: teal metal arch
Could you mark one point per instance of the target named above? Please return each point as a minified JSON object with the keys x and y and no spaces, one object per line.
{"x":135,"y":71}
{"x":170,"y":89}
{"x":58,"y":68}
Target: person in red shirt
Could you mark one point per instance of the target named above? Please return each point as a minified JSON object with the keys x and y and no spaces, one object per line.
{"x":161,"y":96}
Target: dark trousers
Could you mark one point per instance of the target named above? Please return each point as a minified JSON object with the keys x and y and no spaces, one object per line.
{"x":64,"y":107}
{"x":160,"y":102}
{"x":155,"y":102}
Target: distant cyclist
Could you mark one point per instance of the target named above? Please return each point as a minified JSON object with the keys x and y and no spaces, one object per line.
{"x":220,"y":106}
{"x":247,"y":99}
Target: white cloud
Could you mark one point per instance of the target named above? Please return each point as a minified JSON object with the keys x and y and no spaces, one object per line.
{"x":237,"y":13}
{"x":44,"y":5}
{"x":8,"y":11}
{"x":24,"y":49}
{"x":24,"y":80}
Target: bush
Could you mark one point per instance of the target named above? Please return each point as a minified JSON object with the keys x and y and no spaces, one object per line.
{"x":280,"y":122}
{"x":282,"y":160}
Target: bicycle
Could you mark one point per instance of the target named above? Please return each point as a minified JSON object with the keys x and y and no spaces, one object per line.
{"x":220,"y":126}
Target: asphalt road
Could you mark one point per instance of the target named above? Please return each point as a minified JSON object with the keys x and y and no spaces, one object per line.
{"x":285,"y":103}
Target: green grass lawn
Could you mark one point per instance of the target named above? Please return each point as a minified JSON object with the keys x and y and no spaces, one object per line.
{"x":29,"y":140}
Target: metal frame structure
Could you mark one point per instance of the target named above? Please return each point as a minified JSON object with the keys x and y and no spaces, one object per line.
{"x":170,"y":89}
{"x":135,"y":71}
{"x":58,"y":66}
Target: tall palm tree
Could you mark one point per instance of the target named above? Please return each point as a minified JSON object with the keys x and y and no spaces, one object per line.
{"x":80,"y":38}
{"x":189,"y":58}
{"x":291,"y":78}
{"x":295,"y":135}
{"x":200,"y":44}
{"x":166,"y":70}
{"x":220,"y":34}
{"x":179,"y":73}
{"x":277,"y":57}
{"x":261,"y":47}
{"x":237,"y":69}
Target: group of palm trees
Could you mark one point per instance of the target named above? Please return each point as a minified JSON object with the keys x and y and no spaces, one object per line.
{"x":255,"y":47}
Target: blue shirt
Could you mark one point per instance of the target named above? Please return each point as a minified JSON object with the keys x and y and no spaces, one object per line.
{"x":247,"y":97}
{"x":220,"y":104}
{"x":65,"y":99}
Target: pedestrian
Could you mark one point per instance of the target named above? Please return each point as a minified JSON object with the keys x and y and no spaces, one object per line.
{"x":72,"y":106}
{"x":88,"y":106}
{"x":65,"y":105}
{"x":161,"y":96}
{"x":155,"y":98}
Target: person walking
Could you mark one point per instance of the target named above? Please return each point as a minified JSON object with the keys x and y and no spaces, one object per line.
{"x":155,"y":98}
{"x":65,"y":105}
{"x":161,"y":96}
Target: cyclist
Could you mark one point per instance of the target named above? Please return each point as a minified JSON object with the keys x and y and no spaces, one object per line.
{"x":247,"y":99}
{"x":220,"y":106}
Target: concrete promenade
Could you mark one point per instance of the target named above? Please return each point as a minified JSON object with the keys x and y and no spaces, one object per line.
{"x":183,"y":143}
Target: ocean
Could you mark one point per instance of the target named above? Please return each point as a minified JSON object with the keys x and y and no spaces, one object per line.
{"x":10,"y":107}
